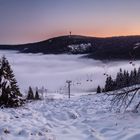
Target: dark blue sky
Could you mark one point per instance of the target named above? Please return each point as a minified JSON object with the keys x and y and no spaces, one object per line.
{"x":24,"y":21}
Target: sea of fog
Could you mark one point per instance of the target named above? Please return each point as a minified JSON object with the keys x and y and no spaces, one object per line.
{"x":52,"y":71}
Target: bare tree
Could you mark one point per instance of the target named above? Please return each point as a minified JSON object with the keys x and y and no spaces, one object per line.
{"x":124,"y":97}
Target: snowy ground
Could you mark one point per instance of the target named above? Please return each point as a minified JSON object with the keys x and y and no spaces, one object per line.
{"x":81,"y":118}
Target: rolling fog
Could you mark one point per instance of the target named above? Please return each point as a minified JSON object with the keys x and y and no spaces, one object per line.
{"x":52,"y":71}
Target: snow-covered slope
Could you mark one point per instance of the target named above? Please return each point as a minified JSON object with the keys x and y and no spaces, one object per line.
{"x":136,"y":45}
{"x":79,"y":48}
{"x":81,"y":118}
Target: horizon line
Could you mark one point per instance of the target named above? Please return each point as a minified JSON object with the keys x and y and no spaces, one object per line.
{"x":103,"y":37}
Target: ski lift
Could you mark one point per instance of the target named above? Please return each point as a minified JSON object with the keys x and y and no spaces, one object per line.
{"x":105,"y":74}
{"x":132,"y":63}
{"x":87,"y":77}
{"x":105,"y":71}
{"x":91,"y":78}
{"x":132,"y":59}
{"x":78,"y":83}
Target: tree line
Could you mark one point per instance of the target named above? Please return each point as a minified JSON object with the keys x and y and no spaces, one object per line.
{"x":123,"y":79}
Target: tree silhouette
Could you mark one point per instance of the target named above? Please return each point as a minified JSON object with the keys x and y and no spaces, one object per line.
{"x":30,"y":95}
{"x":109,"y":86}
{"x":37,"y":95}
{"x":123,"y":79}
{"x":98,"y":89}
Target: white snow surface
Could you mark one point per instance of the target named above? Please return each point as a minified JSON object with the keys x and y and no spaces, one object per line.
{"x":75,"y":48}
{"x":80,"y":118}
{"x":137,"y":45}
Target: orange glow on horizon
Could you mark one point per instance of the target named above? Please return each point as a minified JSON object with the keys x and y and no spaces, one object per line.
{"x":41,"y":35}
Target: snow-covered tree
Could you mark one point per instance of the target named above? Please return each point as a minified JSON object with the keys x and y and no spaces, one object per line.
{"x":10,"y":95}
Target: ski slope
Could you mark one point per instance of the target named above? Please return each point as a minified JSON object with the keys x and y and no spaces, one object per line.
{"x":80,"y":118}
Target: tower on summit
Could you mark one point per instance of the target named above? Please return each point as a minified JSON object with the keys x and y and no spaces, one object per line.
{"x":70,"y":34}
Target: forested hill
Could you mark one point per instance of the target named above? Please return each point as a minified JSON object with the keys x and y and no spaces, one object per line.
{"x":123,"y":47}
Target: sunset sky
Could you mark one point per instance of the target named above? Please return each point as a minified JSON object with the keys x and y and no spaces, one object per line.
{"x":23,"y":21}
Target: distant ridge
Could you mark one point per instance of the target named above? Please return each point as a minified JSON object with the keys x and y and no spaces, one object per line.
{"x":120,"y":47}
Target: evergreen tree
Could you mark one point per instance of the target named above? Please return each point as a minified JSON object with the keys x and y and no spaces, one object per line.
{"x":98,"y":89}
{"x":103,"y":90}
{"x":109,"y":85}
{"x":119,"y":80}
{"x":10,"y":93}
{"x":37,"y":95}
{"x":132,"y":77}
{"x":135,"y":76}
{"x":30,"y":95}
{"x":125,"y":79}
